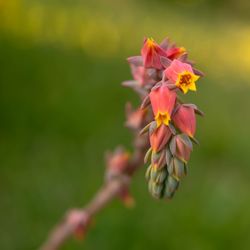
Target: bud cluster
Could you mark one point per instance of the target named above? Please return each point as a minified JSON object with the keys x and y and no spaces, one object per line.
{"x":161,"y":73}
{"x":117,"y":167}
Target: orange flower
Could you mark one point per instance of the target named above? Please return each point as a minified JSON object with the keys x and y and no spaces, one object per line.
{"x":151,"y":54}
{"x":175,"y":52}
{"x":182,"y":75}
{"x":185,"y":120}
{"x":162,"y":101}
{"x":183,"y":149}
{"x":159,"y":138}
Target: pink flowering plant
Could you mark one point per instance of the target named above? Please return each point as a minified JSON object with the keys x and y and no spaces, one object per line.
{"x":163,"y":73}
{"x":164,"y":132}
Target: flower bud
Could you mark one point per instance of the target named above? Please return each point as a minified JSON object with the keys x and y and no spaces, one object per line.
{"x":177,"y":168}
{"x":151,"y":53}
{"x":175,"y":52}
{"x":161,"y":176}
{"x":158,"y":159}
{"x":155,"y":189}
{"x":170,"y":187}
{"x":148,"y":173}
{"x":159,"y":138}
{"x":162,"y":101}
{"x":185,"y":120}
{"x":181,"y":147}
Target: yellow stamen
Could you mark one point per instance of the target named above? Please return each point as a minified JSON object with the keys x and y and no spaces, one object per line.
{"x":162,"y":118}
{"x":150,"y":42}
{"x":186,"y":81}
{"x":182,"y":50}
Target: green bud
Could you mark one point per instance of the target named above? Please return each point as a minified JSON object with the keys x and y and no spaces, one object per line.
{"x":171,"y":186}
{"x":148,"y":173}
{"x":168,"y":156}
{"x":147,"y":155}
{"x":172,"y":146}
{"x":156,"y":189}
{"x":179,"y":169}
{"x":161,"y":176}
{"x":154,"y":173}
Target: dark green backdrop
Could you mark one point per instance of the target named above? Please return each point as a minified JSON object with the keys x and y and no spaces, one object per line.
{"x":61,"y":107}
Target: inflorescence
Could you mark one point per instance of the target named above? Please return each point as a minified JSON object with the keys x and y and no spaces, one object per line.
{"x":161,"y":74}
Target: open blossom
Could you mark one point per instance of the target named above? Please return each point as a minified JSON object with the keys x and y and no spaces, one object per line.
{"x":151,"y":53}
{"x":185,"y":120}
{"x":182,"y":75}
{"x":159,"y":138}
{"x":162,"y":101}
{"x":175,"y":52}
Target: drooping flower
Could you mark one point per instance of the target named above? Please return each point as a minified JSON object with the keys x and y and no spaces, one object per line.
{"x":151,"y":53}
{"x":162,"y":101}
{"x":175,"y":52}
{"x":182,"y":75}
{"x":183,"y":148}
{"x":185,"y":120}
{"x":159,"y":138}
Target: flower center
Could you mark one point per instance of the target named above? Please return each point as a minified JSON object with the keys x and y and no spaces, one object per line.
{"x":150,"y":42}
{"x":162,"y":118}
{"x":185,"y":80}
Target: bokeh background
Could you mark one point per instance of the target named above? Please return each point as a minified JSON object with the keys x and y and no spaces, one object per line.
{"x":61,"y":107}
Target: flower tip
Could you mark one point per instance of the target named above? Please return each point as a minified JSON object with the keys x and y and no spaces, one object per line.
{"x":195,"y":140}
{"x":182,"y":50}
{"x":150,"y":42}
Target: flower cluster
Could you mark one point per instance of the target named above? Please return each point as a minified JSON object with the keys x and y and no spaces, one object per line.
{"x":161,"y":73}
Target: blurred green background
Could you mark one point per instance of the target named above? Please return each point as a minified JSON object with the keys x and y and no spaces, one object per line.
{"x":61,"y":107}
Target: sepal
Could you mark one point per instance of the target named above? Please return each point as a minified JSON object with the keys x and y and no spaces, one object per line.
{"x":170,"y":188}
{"x":147,"y":155}
{"x":135,"y":60}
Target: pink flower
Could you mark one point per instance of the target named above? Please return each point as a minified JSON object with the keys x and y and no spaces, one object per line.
{"x":185,"y":120}
{"x":151,"y":53}
{"x":162,"y":101}
{"x":183,"y":148}
{"x":182,"y":75}
{"x":175,"y":52}
{"x":159,"y":138}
